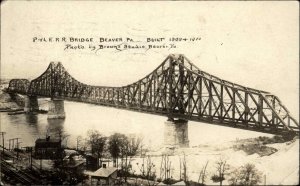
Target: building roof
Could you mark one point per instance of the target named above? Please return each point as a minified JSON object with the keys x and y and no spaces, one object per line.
{"x":47,"y":143}
{"x":104,"y":172}
{"x":181,"y":183}
{"x":74,"y":164}
{"x":46,"y":140}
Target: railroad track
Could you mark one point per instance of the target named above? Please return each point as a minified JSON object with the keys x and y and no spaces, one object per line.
{"x":20,"y":175}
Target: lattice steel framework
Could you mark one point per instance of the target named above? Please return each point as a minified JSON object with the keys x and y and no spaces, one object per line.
{"x":19,"y":85}
{"x":176,"y":88}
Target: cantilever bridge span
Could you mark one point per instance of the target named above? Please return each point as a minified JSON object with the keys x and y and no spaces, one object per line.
{"x":176,"y":89}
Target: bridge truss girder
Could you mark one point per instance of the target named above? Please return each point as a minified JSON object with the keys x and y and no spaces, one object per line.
{"x":176,"y":88}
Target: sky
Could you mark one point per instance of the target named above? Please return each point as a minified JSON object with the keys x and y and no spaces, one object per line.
{"x":255,"y":44}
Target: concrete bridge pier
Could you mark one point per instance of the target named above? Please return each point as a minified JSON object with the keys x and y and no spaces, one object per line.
{"x":56,"y":109}
{"x":176,"y":133}
{"x":31,"y":103}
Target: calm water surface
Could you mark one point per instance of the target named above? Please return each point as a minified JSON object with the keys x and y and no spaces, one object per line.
{"x":82,"y":117}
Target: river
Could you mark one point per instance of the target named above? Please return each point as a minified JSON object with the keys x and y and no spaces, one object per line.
{"x":208,"y":142}
{"x":81,"y":117}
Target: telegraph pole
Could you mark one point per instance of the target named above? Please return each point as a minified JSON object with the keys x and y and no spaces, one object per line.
{"x":41,"y":162}
{"x":17,"y":140}
{"x":13,"y":142}
{"x":18,"y":149}
{"x":12,"y":146}
{"x":78,"y":141}
{"x":2,"y":134}
{"x":31,"y":157}
{"x":9,"y":144}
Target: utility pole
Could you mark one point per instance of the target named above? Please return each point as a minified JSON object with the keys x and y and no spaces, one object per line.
{"x":13,"y":142}
{"x":12,"y":146}
{"x":17,"y":139}
{"x":18,"y":149}
{"x":41,"y":161}
{"x":2,"y":134}
{"x":31,"y":157}
{"x":78,"y":141}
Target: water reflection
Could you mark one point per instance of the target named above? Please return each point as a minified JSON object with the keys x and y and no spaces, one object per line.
{"x":31,"y":119}
{"x":55,"y":128}
{"x":83,"y":117}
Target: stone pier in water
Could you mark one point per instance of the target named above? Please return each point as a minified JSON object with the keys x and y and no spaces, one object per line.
{"x":31,"y":104}
{"x":56,"y":109}
{"x":176,"y":133}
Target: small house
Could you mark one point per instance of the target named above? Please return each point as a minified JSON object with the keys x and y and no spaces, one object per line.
{"x":104,"y":162}
{"x":48,"y":148}
{"x":105,"y":176}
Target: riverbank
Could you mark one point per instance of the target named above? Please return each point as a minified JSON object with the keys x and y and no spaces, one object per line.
{"x":6,"y":102}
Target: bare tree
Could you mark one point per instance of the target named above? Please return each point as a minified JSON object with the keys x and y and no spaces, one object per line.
{"x":148,"y":170}
{"x":222,"y":168}
{"x":203,"y":174}
{"x":185,"y":176}
{"x":134,"y":144}
{"x":165,"y":168}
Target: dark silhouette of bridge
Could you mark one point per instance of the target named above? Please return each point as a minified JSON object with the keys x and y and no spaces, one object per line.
{"x":176,"y":89}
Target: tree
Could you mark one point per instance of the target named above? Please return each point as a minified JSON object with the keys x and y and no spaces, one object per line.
{"x":124,"y":151}
{"x":97,"y":142}
{"x":203,"y":175}
{"x":78,"y":142}
{"x":115,"y":144}
{"x":222,"y":168}
{"x":118,"y":147}
{"x":134,"y":143}
{"x":234,"y":176}
{"x":185,"y":176}
{"x":246,"y":175}
{"x":148,"y":170}
{"x":165,"y":169}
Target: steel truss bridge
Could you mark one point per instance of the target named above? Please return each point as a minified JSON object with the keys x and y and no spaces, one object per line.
{"x":176,"y":89}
